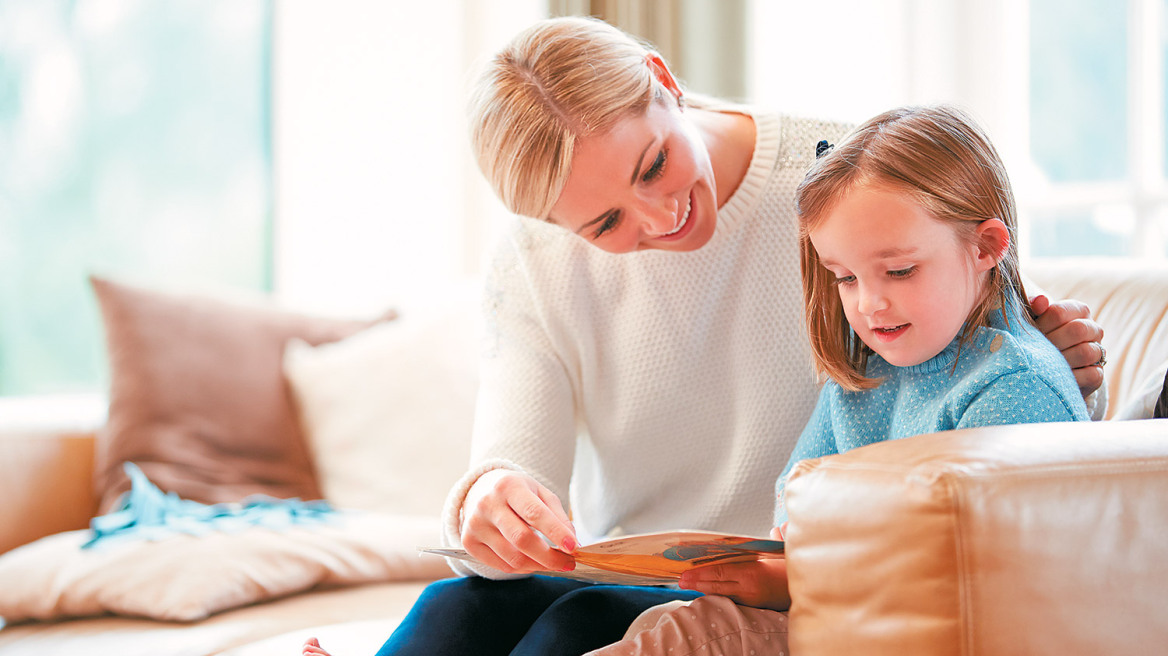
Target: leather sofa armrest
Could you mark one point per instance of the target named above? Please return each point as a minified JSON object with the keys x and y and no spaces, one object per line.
{"x":46,"y":484}
{"x":1029,"y":539}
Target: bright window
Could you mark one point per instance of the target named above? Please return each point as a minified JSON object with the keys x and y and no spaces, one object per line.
{"x":317,"y":151}
{"x":1097,"y":128}
{"x":1071,"y":91}
{"x":133,"y":143}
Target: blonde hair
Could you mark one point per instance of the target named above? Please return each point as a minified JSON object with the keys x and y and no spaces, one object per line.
{"x":945,"y":163}
{"x":557,"y":81}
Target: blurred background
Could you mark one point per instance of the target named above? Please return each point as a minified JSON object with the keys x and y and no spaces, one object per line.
{"x":316,"y":151}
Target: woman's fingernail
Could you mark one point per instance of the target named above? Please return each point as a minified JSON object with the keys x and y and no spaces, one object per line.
{"x":569,"y":545}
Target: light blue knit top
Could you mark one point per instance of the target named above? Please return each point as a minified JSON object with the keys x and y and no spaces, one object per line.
{"x":1005,"y":375}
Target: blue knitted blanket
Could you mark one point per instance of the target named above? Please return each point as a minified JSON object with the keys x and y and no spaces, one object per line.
{"x":147,"y":513}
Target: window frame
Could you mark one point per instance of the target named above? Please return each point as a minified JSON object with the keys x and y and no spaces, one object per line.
{"x":1143,"y":195}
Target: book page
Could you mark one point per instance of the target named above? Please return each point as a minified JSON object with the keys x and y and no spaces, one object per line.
{"x":653,"y":558}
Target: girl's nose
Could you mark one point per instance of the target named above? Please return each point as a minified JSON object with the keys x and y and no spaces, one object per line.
{"x":871,"y":299}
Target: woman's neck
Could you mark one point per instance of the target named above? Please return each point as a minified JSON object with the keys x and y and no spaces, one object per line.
{"x":729,"y":139}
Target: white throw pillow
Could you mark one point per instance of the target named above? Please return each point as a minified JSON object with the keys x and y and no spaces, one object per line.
{"x":388,"y":412}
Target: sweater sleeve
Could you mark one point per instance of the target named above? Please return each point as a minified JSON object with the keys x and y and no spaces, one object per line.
{"x":524,"y":417}
{"x":817,"y":439}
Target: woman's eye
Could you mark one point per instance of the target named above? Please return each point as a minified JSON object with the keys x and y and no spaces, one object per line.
{"x":609,"y":223}
{"x":902,"y":273}
{"x":654,"y":171}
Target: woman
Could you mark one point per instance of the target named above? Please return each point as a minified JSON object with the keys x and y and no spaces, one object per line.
{"x":667,"y":388}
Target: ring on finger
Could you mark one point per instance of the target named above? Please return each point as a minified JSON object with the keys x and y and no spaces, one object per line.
{"x":1102,"y":355}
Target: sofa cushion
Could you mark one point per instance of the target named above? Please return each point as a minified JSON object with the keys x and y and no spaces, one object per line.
{"x":186,"y":577}
{"x":1160,"y":408}
{"x":388,"y":412}
{"x":197,"y":397}
{"x":357,"y":638}
{"x":129,"y":636}
{"x":1146,"y":400}
{"x":1129,"y":301}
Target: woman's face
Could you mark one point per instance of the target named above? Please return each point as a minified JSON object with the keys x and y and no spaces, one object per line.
{"x":645,"y":184}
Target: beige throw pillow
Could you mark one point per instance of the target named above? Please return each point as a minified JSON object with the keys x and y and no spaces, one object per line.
{"x":186,"y":578}
{"x":388,"y":412}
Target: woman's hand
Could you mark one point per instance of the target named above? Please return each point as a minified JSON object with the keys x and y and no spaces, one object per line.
{"x":761,"y":583}
{"x":502,"y":518}
{"x":1069,"y":326}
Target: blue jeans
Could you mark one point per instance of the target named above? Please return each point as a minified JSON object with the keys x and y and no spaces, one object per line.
{"x":537,"y":615}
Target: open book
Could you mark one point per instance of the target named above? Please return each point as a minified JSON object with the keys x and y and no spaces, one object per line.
{"x":652,"y":558}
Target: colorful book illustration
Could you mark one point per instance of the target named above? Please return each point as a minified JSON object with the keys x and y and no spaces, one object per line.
{"x":653,"y":558}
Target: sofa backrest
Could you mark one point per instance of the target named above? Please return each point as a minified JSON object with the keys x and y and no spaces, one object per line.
{"x":1130,"y":300}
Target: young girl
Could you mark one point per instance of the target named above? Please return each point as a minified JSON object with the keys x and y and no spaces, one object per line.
{"x":916,"y":314}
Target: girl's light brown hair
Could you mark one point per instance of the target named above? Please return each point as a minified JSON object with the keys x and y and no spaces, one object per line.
{"x":559,"y":80}
{"x":946,"y":164}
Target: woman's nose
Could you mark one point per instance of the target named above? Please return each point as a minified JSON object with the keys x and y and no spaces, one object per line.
{"x":658,"y":216}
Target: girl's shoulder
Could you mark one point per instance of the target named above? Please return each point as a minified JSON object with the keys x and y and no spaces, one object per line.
{"x":1017,"y":349}
{"x":1019,"y":363}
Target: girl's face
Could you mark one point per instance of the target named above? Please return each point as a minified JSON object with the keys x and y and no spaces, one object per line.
{"x":645,"y":184}
{"x":906,"y":280}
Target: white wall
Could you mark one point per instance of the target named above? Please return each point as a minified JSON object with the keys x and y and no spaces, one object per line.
{"x":377,"y":200}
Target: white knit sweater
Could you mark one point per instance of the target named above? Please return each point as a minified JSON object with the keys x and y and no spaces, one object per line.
{"x":668,"y":388}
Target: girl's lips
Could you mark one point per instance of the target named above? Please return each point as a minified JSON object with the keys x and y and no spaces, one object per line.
{"x":684,"y":226}
{"x":890,"y":333}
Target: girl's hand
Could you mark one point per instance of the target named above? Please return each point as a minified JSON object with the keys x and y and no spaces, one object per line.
{"x":1069,"y":326}
{"x":502,"y":518}
{"x":761,"y":584}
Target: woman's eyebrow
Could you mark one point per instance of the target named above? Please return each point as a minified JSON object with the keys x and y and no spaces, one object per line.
{"x":593,"y":221}
{"x":640,"y":160}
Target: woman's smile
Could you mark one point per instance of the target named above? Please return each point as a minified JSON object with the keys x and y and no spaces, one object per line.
{"x":680,"y":230}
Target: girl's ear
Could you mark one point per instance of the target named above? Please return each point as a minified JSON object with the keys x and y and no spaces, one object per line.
{"x":993,"y":238}
{"x":662,"y":73}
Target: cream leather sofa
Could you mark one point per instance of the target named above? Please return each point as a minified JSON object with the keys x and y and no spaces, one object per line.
{"x":1019,"y":540}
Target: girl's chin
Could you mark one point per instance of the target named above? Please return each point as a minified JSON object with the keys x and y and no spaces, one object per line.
{"x":901,"y":359}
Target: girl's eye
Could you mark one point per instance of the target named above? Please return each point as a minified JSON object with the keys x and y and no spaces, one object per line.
{"x":844,"y":280}
{"x":609,"y":223}
{"x":902,"y":273}
{"x":654,"y":171}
